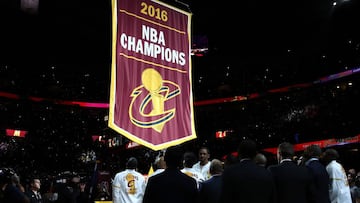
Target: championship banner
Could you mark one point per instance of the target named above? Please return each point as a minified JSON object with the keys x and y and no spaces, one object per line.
{"x":151,"y":100}
{"x":16,"y":133}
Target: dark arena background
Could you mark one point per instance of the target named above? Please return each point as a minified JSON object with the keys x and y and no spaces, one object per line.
{"x":270,"y":71}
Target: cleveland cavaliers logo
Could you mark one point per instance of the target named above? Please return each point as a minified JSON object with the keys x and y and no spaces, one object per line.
{"x":148,"y":105}
{"x":131,"y":183}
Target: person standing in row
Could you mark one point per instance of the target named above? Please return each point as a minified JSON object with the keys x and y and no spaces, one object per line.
{"x":246,"y":181}
{"x":203,"y":165}
{"x":293,"y":183}
{"x":210,"y":190}
{"x":159,"y":165}
{"x":129,"y":185}
{"x":34,"y":192}
{"x":339,"y":185}
{"x":354,"y":185}
{"x":318,"y":172}
{"x":171,"y":185}
{"x":188,"y":162}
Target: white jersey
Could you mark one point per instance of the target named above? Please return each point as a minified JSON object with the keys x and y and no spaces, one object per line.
{"x":128,"y":187}
{"x":194,"y":174}
{"x":157,"y":171}
{"x":204,"y":170}
{"x":339,"y":186}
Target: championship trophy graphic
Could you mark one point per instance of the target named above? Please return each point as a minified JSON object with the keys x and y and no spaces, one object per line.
{"x":157,"y":91}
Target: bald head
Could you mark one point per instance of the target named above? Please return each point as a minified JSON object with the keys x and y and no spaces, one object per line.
{"x":260,"y":159}
{"x":216,"y":167}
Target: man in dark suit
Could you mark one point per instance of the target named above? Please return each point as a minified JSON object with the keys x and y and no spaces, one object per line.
{"x":245,"y":181}
{"x":319,"y":174}
{"x":34,"y":192}
{"x":171,"y":186}
{"x":293,"y":183}
{"x":210,"y":190}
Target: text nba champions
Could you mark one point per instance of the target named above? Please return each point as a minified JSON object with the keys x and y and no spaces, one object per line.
{"x":152,"y":42}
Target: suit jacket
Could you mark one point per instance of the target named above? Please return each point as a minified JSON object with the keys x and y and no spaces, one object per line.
{"x":247,"y":182}
{"x":33,"y":198}
{"x":171,"y":186}
{"x":293,"y":183}
{"x":210,"y":190}
{"x":321,"y":180}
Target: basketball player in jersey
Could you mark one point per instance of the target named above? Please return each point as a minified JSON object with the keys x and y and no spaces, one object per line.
{"x":129,"y":185}
{"x":203,"y":165}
